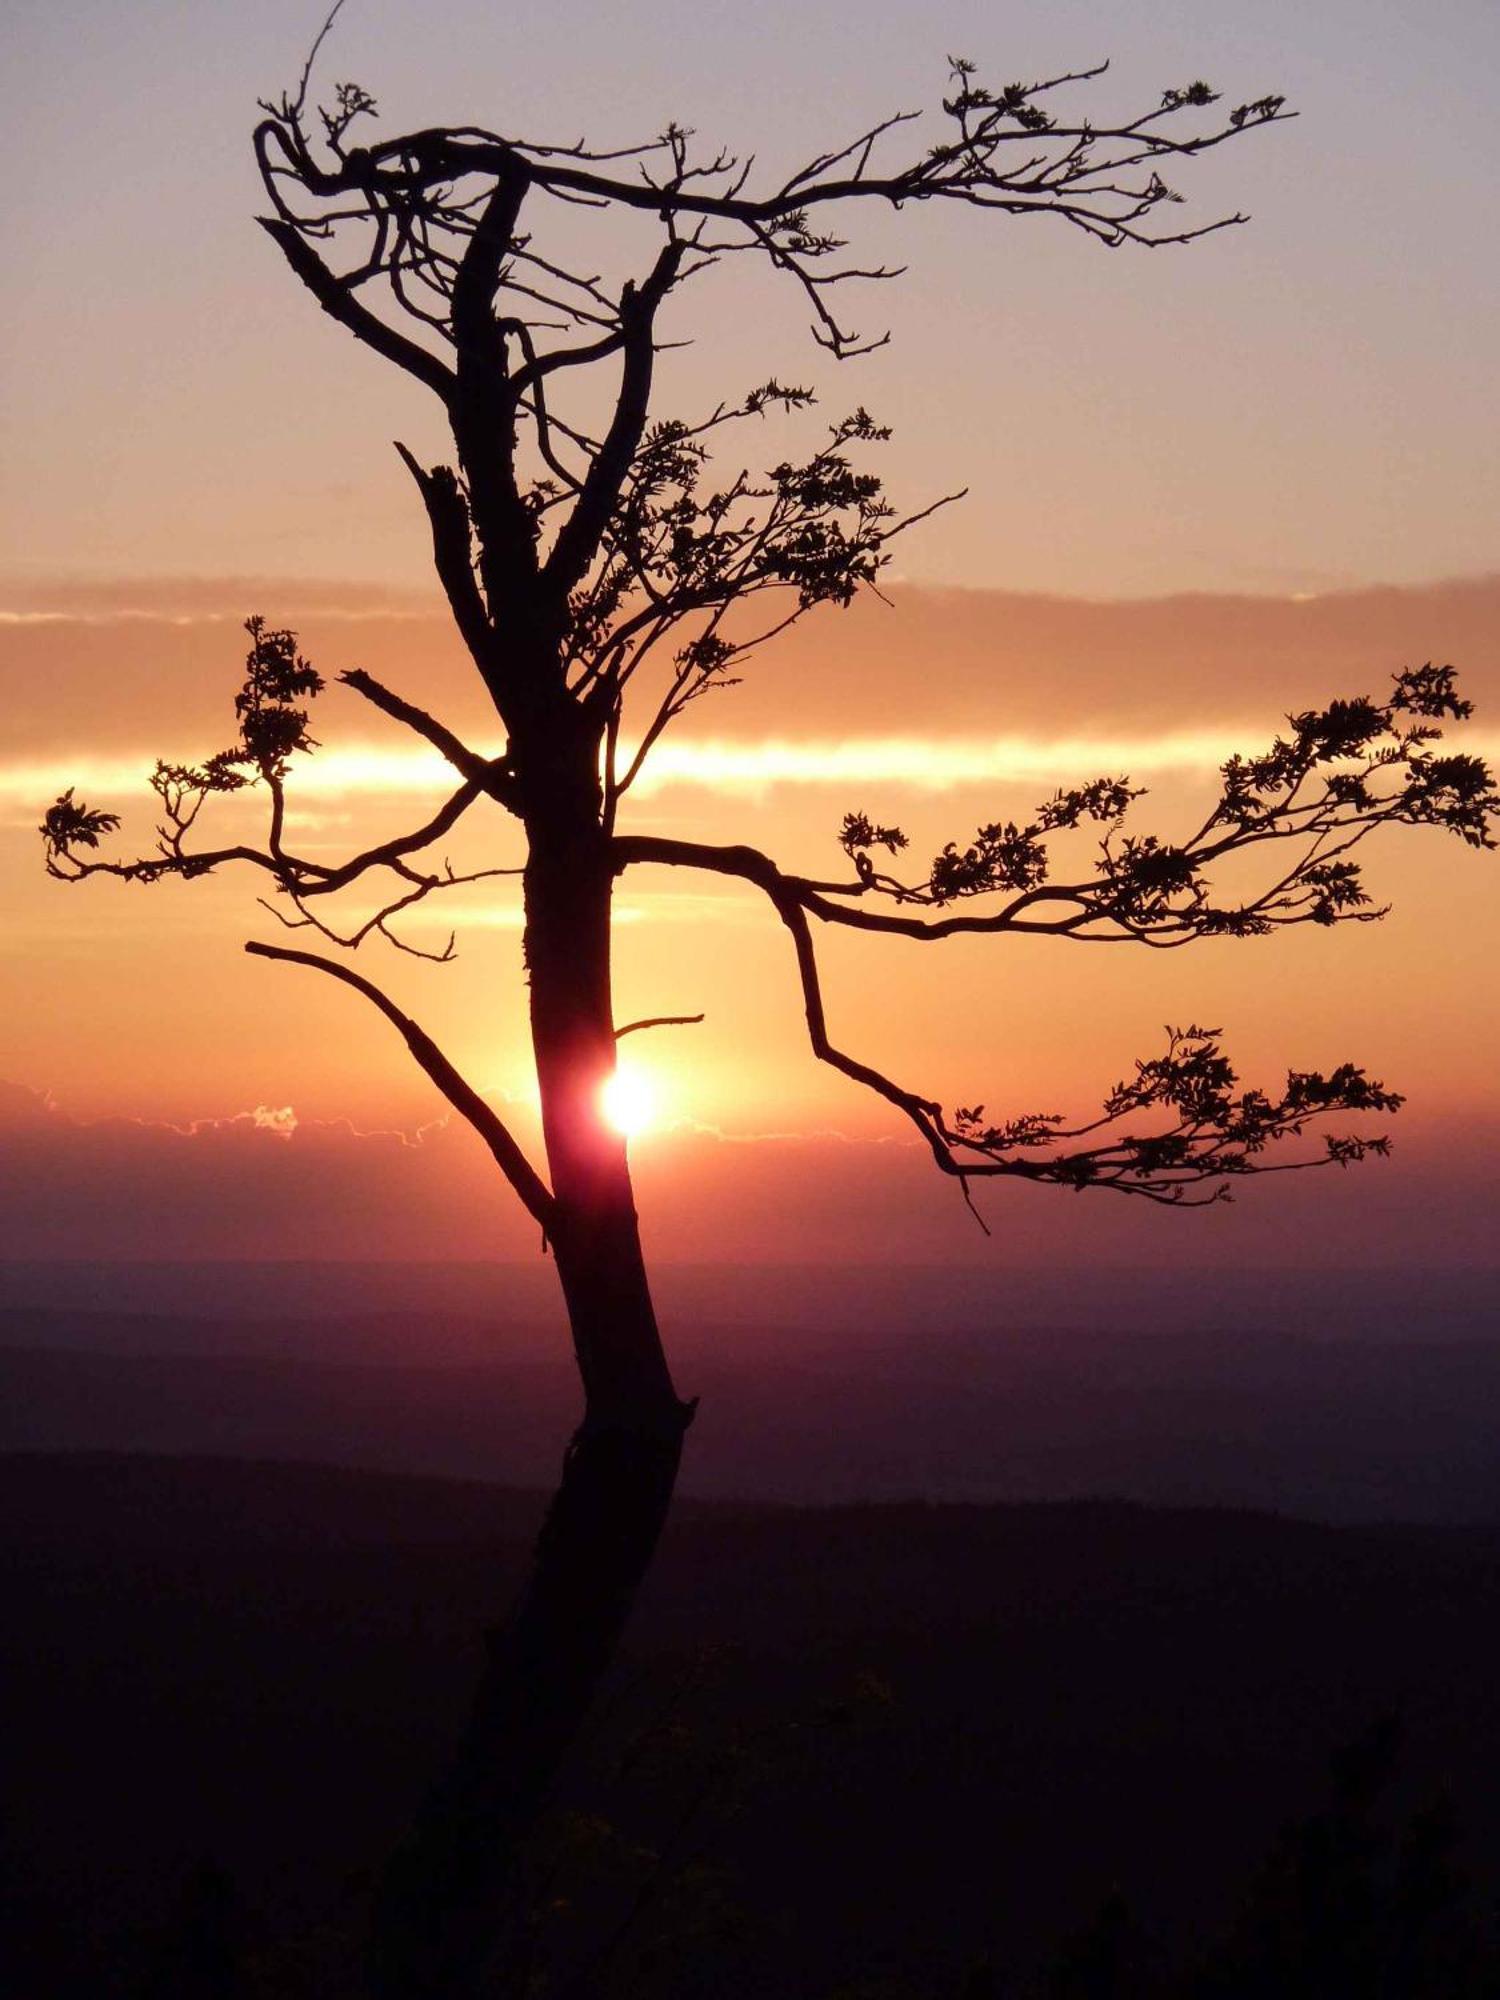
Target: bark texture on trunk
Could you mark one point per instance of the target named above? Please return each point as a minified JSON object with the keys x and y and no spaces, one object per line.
{"x":442,"y":1901}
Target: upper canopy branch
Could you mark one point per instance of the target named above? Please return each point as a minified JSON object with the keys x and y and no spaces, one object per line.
{"x":588,"y":520}
{"x":1006,"y":149}
{"x":571,"y":548}
{"x":435,"y":214}
{"x":681,"y":553}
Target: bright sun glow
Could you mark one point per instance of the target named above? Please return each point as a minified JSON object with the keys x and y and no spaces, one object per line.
{"x":629,"y":1102}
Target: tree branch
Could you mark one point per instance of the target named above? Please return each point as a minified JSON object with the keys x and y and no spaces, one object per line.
{"x":1341,"y":773}
{"x":448,"y":516}
{"x":340,"y":303}
{"x":1205,"y":1134}
{"x":534,"y":1193}
{"x":659,"y":1021}
{"x":1000,"y":149}
{"x":579,"y":537}
{"x":272,"y":729}
{"x":491,"y":775}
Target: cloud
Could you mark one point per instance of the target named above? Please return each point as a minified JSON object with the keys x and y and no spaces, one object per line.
{"x":944,"y":764}
{"x":747,"y":769}
{"x":256,"y":1183}
{"x":188,"y":600}
{"x":939,"y":689}
{"x":265,"y":1184}
{"x":281,"y":1123}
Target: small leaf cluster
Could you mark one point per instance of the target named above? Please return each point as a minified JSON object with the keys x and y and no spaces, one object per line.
{"x":1375,"y":745}
{"x":1030,"y":1128}
{"x":860,"y":833}
{"x":792,"y":235}
{"x":1006,"y":854}
{"x":1104,"y":800}
{"x":350,"y":101}
{"x":1195,"y":94}
{"x":1147,"y":880}
{"x":1257,"y":112}
{"x":830,"y":517}
{"x":272,"y":725}
{"x":1001,"y":856}
{"x":1214,"y":1129}
{"x":1012,"y":103}
{"x":68,"y":824}
{"x":1337,"y":890}
{"x":778,"y":395}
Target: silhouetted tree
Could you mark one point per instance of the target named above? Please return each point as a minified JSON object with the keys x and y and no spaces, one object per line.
{"x":593,"y":565}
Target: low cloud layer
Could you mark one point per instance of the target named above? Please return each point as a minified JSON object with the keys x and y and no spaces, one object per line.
{"x":140,"y":666}
{"x":947,"y":691}
{"x":266,"y":1184}
{"x":733,"y":768}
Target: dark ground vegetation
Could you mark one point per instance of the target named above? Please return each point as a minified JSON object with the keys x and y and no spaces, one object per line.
{"x":882,"y":1753}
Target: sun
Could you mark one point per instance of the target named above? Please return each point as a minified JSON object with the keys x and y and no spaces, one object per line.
{"x":628,"y":1103}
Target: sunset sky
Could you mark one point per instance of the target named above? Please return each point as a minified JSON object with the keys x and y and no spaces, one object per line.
{"x":1207,"y":485}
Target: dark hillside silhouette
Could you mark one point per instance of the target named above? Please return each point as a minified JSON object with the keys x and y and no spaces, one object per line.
{"x":605,"y":572}
{"x":924,"y":1738}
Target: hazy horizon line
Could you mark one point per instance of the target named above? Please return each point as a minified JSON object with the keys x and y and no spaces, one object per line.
{"x":198,"y":592}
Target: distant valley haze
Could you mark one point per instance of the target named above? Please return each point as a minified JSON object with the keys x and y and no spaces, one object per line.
{"x":1336,"y":1396}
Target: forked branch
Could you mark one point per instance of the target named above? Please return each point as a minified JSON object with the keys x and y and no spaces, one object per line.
{"x":273,"y":728}
{"x":572,"y":547}
{"x":1339,"y":774}
{"x":419,"y":201}
{"x":1200,"y":1130}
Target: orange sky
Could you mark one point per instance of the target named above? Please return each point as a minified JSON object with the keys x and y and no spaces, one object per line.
{"x":138,"y":1003}
{"x":1245,"y":476}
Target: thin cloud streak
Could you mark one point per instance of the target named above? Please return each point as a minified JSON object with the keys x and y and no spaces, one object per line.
{"x":921,"y":764}
{"x":181,"y":620}
{"x":925,"y":764}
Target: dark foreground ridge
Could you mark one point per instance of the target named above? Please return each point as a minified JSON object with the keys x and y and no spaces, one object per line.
{"x":871,"y":1744}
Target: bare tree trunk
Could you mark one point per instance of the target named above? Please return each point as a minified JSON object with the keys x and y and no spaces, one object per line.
{"x":441,"y":1902}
